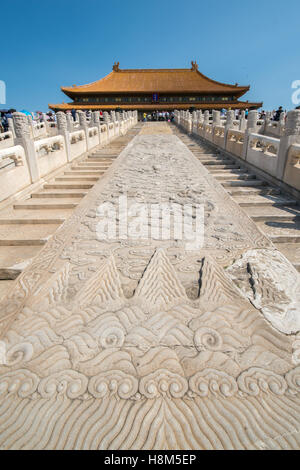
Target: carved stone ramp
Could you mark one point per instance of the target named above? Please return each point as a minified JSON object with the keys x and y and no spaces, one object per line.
{"x":140,"y":343}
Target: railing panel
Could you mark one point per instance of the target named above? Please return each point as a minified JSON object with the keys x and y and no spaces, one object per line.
{"x":78,"y":144}
{"x":14,"y":173}
{"x":262,"y":152}
{"x":292,"y":168}
{"x":219,"y":136}
{"x":51,"y":154}
{"x":93,"y":137}
{"x":235,"y":142}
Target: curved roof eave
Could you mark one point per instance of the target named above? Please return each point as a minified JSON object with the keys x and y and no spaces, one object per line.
{"x":85,"y":89}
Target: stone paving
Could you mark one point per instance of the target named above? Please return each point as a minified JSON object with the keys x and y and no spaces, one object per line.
{"x":133,"y":343}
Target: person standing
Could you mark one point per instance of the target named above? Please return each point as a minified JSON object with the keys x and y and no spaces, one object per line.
{"x":278,"y":114}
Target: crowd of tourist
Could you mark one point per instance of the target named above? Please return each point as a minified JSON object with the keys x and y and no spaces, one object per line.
{"x":274,"y":115}
{"x":37,"y":117}
{"x":159,"y":116}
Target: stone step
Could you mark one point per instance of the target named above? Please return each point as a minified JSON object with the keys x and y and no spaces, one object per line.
{"x":68,"y":186}
{"x":32,"y":221}
{"x":231,"y":177}
{"x":264,"y":200}
{"x":212,"y":158}
{"x":77,"y":178}
{"x":36,"y":215}
{"x":99,"y":159}
{"x":31,"y":234}
{"x":216,"y":168}
{"x":97,"y":163}
{"x":208,"y":156}
{"x":87,"y":161}
{"x":83,"y":173}
{"x":91,"y":166}
{"x":273,"y":213}
{"x":291,"y":251}
{"x":204,"y":155}
{"x":224,"y":163}
{"x":104,"y":156}
{"x":227,"y":171}
{"x":285,"y":238}
{"x":257,"y":191}
{"x":47,"y":204}
{"x":281,"y":232}
{"x":50,"y":194}
{"x":249,"y":184}
{"x":13,"y":260}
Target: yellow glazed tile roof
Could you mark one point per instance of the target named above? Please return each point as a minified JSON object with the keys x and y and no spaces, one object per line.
{"x":155,"y":80}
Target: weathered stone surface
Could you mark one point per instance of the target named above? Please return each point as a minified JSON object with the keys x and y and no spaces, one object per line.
{"x":139,"y":343}
{"x":272,"y":285}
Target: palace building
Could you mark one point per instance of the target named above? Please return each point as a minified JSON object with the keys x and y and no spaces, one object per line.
{"x":148,"y":90}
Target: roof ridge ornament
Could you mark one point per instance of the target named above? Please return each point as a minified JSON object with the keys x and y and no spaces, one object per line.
{"x":194,"y":65}
{"x":116,"y":67}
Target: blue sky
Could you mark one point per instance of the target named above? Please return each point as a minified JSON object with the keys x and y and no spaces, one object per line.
{"x":48,"y":44}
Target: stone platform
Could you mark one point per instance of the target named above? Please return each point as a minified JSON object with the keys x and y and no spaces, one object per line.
{"x":143,"y":344}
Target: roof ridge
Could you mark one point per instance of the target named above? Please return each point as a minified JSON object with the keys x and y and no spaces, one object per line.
{"x":154,"y":70}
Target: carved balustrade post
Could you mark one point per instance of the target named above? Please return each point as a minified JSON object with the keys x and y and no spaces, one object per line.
{"x":282,"y":120}
{"x":11,"y":128}
{"x":194,"y":122}
{"x":216,"y":115}
{"x":243,"y":122}
{"x":267,"y":121}
{"x":189,"y":123}
{"x":228,"y":125}
{"x":96,"y":123}
{"x":31,"y":126}
{"x":46,"y":124}
{"x":251,"y":128}
{"x":106,"y":117}
{"x":23,"y":138}
{"x":206,"y":117}
{"x":291,"y":135}
{"x":70,"y":122}
{"x":84,"y":126}
{"x":62,"y":129}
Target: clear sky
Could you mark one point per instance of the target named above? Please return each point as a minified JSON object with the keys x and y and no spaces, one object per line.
{"x":53,"y":43}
